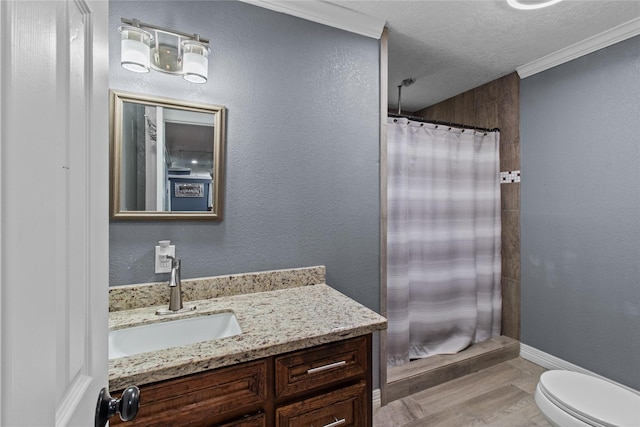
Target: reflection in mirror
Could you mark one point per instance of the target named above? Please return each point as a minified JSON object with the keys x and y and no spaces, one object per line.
{"x":167,"y":158}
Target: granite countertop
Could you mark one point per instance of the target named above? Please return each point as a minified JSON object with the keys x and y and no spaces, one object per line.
{"x":272,"y":322}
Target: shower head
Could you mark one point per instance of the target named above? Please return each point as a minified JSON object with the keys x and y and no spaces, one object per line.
{"x":408,"y":82}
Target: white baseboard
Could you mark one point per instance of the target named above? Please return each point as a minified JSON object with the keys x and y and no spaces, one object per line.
{"x":377,"y":400}
{"x":551,"y":362}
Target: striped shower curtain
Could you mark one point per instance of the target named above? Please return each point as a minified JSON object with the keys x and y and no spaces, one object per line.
{"x":443,"y":241}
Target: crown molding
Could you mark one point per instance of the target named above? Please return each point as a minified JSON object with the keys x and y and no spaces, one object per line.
{"x":576,"y":50}
{"x":326,"y":13}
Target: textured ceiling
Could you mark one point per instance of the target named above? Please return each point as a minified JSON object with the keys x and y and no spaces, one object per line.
{"x":455,"y":45}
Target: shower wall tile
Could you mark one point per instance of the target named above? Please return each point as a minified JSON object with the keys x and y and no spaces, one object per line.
{"x":463,"y":107}
{"x":509,"y":113}
{"x":510,"y":196}
{"x":509,"y":177}
{"x":511,"y":244}
{"x":510,"y":307}
{"x":488,"y":115}
{"x":509,"y":154}
{"x":509,"y":108}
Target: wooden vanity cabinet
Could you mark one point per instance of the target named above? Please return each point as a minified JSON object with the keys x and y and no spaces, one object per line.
{"x":327,"y":385}
{"x":220,"y":397}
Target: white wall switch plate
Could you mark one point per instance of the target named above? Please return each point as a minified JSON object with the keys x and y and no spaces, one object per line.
{"x":163,"y":264}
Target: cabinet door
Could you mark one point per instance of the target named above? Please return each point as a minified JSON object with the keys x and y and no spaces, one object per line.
{"x":204,"y":399}
{"x":325,"y":365}
{"x":341,"y":408}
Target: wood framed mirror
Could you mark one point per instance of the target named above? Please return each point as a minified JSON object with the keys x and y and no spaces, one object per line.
{"x":166,"y":158}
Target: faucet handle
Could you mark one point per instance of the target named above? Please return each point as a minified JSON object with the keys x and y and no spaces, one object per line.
{"x":175,"y":262}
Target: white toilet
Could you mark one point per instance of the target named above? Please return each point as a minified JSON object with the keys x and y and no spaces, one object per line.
{"x":572,"y":399}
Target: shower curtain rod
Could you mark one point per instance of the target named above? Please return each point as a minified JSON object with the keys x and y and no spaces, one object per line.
{"x":441,"y":123}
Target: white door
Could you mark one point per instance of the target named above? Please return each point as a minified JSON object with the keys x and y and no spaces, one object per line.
{"x":54,"y":210}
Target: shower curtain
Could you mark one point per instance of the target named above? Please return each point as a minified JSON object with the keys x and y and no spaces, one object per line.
{"x":443,"y":239}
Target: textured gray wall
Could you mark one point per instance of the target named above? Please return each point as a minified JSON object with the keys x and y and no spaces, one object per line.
{"x":580,"y":139}
{"x":302,"y":148}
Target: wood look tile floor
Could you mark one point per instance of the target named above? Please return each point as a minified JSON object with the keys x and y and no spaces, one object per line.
{"x":499,"y":396}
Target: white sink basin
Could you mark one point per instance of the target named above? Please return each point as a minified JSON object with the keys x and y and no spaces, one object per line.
{"x":172,"y":333}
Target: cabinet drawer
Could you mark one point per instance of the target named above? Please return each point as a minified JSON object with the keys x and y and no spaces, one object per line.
{"x":320,"y":366}
{"x":253,"y":421}
{"x":207,"y":397}
{"x":341,"y":408}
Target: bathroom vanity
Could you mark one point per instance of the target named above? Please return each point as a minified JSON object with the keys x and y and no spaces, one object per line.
{"x":328,"y":384}
{"x":303,"y":358}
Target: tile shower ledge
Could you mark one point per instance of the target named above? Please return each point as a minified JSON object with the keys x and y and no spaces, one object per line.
{"x":272,"y":322}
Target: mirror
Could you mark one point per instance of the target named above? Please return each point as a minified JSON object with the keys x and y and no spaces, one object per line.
{"x":167,"y":158}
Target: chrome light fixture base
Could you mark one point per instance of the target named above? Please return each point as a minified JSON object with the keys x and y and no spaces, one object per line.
{"x":166,"y":59}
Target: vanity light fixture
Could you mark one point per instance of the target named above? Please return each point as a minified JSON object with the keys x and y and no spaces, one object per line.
{"x":530,"y":5}
{"x":146,"y":46}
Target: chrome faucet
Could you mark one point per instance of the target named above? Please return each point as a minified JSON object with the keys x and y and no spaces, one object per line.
{"x":175,"y":291}
{"x":175,"y":288}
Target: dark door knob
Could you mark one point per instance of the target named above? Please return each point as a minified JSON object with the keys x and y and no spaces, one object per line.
{"x":127,"y":405}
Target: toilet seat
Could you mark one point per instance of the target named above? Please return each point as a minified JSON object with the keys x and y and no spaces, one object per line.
{"x":592,"y":400}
